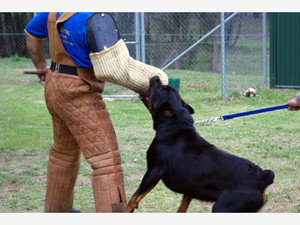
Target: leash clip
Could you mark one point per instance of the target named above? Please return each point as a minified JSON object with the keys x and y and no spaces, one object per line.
{"x":209,"y":120}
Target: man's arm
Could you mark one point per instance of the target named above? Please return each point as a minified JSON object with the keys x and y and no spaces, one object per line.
{"x":35,"y":49}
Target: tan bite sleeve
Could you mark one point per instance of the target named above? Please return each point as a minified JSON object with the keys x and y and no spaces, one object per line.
{"x":115,"y":65}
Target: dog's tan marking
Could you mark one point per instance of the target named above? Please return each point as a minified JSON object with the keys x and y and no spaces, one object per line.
{"x":169,"y":113}
{"x":186,"y":200}
{"x":265,"y":195}
{"x":134,"y":201}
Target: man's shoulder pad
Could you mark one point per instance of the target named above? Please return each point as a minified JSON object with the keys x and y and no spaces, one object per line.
{"x":101,"y":31}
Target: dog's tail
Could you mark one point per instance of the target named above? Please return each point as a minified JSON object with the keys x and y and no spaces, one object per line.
{"x":268,"y":177}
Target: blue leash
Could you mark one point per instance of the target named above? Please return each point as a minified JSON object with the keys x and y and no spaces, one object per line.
{"x":232,"y":116}
{"x":228,"y":117}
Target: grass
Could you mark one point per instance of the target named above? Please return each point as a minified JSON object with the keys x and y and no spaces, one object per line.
{"x":270,"y":140}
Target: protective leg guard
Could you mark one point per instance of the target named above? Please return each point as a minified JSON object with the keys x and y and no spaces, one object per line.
{"x":85,"y":125}
{"x":108,"y":182}
{"x":115,"y":65}
{"x":61,"y":176}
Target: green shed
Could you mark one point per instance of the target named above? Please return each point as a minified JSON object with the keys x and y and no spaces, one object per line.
{"x":285,"y":50}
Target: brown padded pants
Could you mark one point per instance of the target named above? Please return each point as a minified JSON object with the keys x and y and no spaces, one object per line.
{"x":81,"y":123}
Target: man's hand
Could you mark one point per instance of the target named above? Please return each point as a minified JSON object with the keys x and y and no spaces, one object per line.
{"x":42,"y":73}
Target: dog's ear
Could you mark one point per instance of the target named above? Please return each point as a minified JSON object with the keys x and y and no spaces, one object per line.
{"x":184,"y":104}
{"x":188,"y":107}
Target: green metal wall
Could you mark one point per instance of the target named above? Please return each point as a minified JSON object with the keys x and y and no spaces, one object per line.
{"x":285,"y":50}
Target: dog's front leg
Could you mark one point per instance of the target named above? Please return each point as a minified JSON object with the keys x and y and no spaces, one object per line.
{"x":186,"y":200}
{"x":150,"y":179}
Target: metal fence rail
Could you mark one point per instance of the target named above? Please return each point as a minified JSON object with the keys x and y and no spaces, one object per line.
{"x":186,"y":45}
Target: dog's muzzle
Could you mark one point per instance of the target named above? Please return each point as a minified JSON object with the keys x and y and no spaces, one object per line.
{"x":155,"y":80}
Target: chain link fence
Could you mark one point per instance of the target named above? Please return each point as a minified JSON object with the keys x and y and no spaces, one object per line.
{"x":161,"y":37}
{"x":169,"y":34}
{"x":12,"y":41}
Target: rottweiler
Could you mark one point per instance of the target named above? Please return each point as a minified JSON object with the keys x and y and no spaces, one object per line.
{"x":190,"y":165}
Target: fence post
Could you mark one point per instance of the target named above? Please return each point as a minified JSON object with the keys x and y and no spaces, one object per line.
{"x":223,"y":55}
{"x":143,"y":51}
{"x":264,"y":16}
{"x":137,"y":37}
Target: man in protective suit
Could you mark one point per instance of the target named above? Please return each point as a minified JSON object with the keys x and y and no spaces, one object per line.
{"x":81,"y":122}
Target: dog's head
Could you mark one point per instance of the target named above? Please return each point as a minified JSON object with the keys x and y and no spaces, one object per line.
{"x":164,"y":100}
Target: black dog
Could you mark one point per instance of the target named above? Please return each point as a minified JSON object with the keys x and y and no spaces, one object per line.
{"x":190,"y":165}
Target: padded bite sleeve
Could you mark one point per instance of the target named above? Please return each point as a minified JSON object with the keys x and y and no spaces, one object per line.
{"x":115,"y":65}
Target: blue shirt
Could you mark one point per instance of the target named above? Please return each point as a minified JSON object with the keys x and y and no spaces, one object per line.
{"x":72,"y":34}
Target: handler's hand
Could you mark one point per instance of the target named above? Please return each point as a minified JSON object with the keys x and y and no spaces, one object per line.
{"x":293,"y":105}
{"x":43,"y":71}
